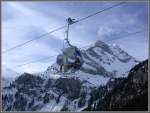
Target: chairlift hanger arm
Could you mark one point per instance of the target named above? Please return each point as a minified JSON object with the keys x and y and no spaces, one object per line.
{"x":69,"y":22}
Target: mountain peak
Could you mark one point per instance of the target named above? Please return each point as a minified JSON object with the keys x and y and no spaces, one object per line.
{"x":100,"y":43}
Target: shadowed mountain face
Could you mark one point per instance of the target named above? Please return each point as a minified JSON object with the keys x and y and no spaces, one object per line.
{"x":102,"y":83}
{"x":126,"y":94}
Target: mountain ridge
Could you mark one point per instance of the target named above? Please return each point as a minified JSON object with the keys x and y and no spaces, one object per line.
{"x":70,"y":91}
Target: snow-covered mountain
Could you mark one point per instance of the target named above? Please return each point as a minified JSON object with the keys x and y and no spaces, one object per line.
{"x":56,"y":91}
{"x":101,"y":62}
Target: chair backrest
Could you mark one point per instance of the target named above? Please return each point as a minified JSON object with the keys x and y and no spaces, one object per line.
{"x":69,"y":52}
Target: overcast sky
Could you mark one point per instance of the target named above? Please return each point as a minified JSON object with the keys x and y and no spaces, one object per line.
{"x":22,"y":21}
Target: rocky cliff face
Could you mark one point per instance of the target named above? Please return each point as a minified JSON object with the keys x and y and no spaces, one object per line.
{"x":33,"y":93}
{"x":92,"y":87}
{"x":127,"y":94}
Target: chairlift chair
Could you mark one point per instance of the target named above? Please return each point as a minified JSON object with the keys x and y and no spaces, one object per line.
{"x":70,"y":52}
